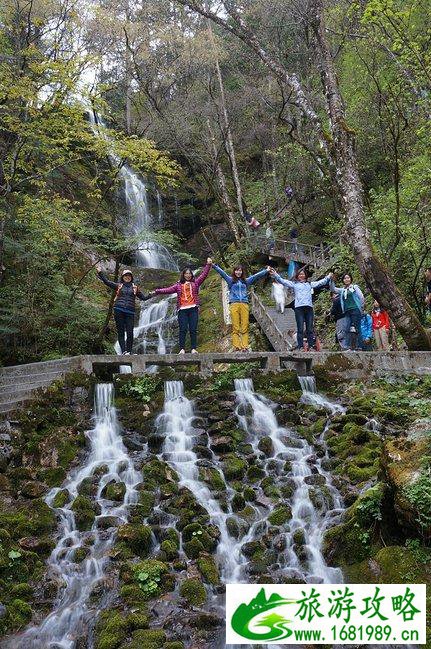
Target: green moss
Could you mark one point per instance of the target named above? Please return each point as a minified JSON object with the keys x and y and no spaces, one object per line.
{"x":136,"y":537}
{"x":33,"y":519}
{"x":175,"y":644}
{"x":234,"y":467}
{"x":255,"y":473}
{"x":111,"y":630}
{"x":22,"y":591}
{"x":61,"y":498}
{"x":146,"y":502}
{"x":280,"y":515}
{"x":148,"y":639}
{"x":18,"y":614}
{"x":85,"y":512}
{"x":80,"y":554}
{"x":115,"y":491}
{"x":209,"y":570}
{"x":132,"y":595}
{"x":193,"y":591}
{"x":212,"y":477}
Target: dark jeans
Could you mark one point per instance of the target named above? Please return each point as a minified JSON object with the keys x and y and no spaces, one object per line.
{"x":188,"y":320}
{"x":353,"y":319}
{"x":124,"y":323}
{"x":304,"y":314}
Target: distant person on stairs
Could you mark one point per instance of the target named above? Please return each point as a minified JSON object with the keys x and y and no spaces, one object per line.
{"x":304,"y":313}
{"x":124,"y":307}
{"x":187,"y":290}
{"x":238,"y":285}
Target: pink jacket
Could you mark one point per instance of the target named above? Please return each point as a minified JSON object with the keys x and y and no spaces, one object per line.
{"x":176,"y":288}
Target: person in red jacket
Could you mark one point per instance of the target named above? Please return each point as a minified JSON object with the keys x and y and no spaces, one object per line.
{"x":381,"y":326}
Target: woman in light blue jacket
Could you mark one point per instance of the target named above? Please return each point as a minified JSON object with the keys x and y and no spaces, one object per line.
{"x":238,"y":285}
{"x":303,"y":291}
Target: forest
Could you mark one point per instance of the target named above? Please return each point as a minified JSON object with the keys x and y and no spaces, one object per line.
{"x":209,"y":161}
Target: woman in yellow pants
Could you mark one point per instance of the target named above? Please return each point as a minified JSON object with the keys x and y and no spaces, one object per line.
{"x":238,"y":285}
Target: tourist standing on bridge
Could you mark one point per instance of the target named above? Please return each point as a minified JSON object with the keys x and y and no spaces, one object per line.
{"x":124,"y":307}
{"x":238,"y":285}
{"x":352,"y":304}
{"x":187,"y":290}
{"x":304,"y":313}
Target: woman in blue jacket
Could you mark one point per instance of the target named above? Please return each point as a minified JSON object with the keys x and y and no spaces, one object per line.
{"x":238,"y":285}
{"x":303,"y":291}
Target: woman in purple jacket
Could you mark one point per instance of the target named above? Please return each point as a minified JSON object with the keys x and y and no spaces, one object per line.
{"x":187,"y":290}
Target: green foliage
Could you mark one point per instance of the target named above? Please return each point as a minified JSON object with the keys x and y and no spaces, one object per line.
{"x":224,"y":380}
{"x":419,"y":494}
{"x":148,"y":575}
{"x":143,"y":388}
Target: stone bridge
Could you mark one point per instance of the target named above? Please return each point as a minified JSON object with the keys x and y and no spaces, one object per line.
{"x":19,"y":383}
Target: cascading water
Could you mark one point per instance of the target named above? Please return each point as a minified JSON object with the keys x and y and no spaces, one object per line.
{"x":256,"y":416}
{"x":72,"y":612}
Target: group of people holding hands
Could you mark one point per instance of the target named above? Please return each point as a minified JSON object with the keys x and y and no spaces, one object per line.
{"x":350,"y":301}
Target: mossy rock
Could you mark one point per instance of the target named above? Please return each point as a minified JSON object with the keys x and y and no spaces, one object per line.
{"x":209,"y":570}
{"x":234,"y":467}
{"x":255,"y":473}
{"x":169,"y":549}
{"x":114,"y":491}
{"x":136,"y":537}
{"x":18,"y":613}
{"x":22,"y":591}
{"x":35,"y":519}
{"x":175,"y":644}
{"x":193,"y":591}
{"x":111,"y":630}
{"x":146,"y":502}
{"x":132,"y":595}
{"x":212,"y":477}
{"x":85,"y":512}
{"x":61,"y":498}
{"x":148,"y":639}
{"x":81,"y":554}
{"x":238,"y":502}
{"x":280,"y":515}
{"x":266,"y":446}
{"x":249,"y":494}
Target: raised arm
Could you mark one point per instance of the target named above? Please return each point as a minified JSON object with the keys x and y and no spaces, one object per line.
{"x":105,"y":280}
{"x":253,"y":278}
{"x":141,"y":296}
{"x":334,"y":288}
{"x":166,"y":290}
{"x":204,"y":274}
{"x":285,"y":282}
{"x":321,"y":282}
{"x":221,"y":272}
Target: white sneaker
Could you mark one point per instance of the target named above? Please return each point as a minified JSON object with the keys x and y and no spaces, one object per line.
{"x":194,"y":351}
{"x":182,"y":351}
{"x":126,"y":353}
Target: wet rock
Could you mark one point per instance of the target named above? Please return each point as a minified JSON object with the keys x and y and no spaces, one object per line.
{"x":315,"y":479}
{"x":85,"y":512}
{"x":212,"y":477}
{"x":221,"y":444}
{"x":279,"y":542}
{"x":292,"y":442}
{"x":88,"y":486}
{"x":5,"y":457}
{"x":206,"y":621}
{"x":105,"y":522}
{"x":193,"y":592}
{"x":238,"y":502}
{"x":114,"y":491}
{"x":299,"y":536}
{"x":280,"y":515}
{"x":202,"y":452}
{"x":208,"y":569}
{"x":255,"y":473}
{"x":79,"y":396}
{"x":136,"y":537}
{"x":234,"y":467}
{"x":61,"y":498}
{"x":252,"y":547}
{"x":133,"y":443}
{"x":33,"y":489}
{"x":266,"y":446}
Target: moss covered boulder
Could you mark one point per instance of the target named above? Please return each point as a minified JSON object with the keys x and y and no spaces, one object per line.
{"x":85,"y":511}
{"x":138,"y":538}
{"x":193,"y":591}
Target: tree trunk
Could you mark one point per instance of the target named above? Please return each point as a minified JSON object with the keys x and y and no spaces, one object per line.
{"x":374,"y":272}
{"x":223,"y":189}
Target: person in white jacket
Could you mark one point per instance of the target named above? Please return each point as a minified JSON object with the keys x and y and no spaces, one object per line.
{"x":304,"y":313}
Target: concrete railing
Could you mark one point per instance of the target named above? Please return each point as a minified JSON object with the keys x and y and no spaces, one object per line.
{"x":277,"y":338}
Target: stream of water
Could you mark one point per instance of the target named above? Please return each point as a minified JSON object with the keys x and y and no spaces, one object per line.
{"x":108,"y":461}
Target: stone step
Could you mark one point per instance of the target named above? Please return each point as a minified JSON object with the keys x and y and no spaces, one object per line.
{"x":62,"y":364}
{"x":30,"y":379}
{"x":19,"y":395}
{"x":12,"y":405}
{"x":12,"y":392}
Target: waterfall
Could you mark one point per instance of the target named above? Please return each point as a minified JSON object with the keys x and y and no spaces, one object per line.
{"x":176,"y":423}
{"x":256,"y":415}
{"x":107,"y":461}
{"x":311,"y":396}
{"x":140,"y":219}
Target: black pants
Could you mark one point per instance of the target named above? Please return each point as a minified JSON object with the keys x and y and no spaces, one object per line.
{"x":124,"y":323}
{"x":188,"y":321}
{"x":304,"y":314}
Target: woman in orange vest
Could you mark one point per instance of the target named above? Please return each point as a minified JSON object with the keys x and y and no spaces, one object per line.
{"x":124,"y":307}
